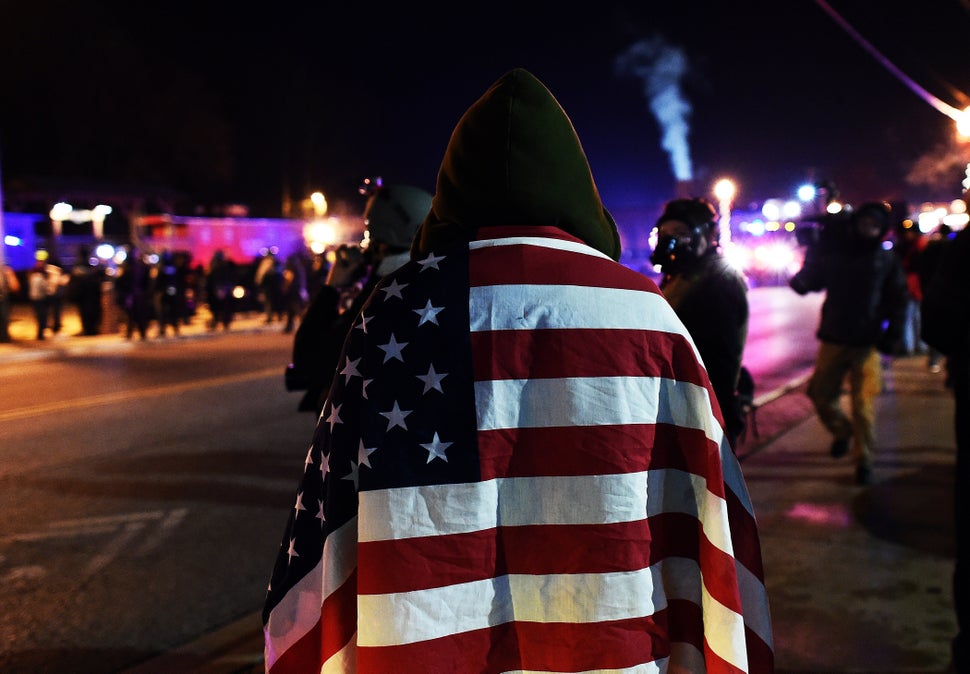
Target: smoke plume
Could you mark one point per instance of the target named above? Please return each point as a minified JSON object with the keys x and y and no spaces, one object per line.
{"x":660,"y":67}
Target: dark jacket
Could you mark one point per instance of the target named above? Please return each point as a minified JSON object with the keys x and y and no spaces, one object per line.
{"x":711,"y":299}
{"x":946,"y":303}
{"x":865,"y":294}
{"x":319,"y":341}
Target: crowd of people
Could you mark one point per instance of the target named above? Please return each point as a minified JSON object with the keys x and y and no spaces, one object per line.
{"x":151,"y":294}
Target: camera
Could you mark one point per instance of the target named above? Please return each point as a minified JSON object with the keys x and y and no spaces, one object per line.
{"x":825,"y":230}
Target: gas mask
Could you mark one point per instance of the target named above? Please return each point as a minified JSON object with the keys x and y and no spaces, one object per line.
{"x":675,"y":254}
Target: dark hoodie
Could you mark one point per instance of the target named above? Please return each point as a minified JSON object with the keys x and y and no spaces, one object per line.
{"x":514,"y":159}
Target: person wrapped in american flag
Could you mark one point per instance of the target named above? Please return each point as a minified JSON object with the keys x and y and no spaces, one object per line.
{"x":520,"y":465}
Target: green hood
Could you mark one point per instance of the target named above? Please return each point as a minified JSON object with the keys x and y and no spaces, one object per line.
{"x":515,"y":159}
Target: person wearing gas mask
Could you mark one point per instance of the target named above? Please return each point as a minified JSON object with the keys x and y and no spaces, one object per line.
{"x":862,"y":316}
{"x":708,"y":295}
{"x":391,"y":217}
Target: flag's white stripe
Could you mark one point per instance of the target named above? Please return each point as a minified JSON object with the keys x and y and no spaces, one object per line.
{"x":757,"y":613}
{"x":734,"y":478}
{"x":540,"y":242}
{"x":299,"y":610}
{"x":441,"y":510}
{"x":593,"y":401}
{"x":724,"y":631}
{"x":655,"y":667}
{"x":447,"y":509}
{"x":530,"y":307}
{"x":408,"y":617}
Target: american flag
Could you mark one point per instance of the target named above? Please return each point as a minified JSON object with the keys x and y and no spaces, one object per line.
{"x":519,"y":468}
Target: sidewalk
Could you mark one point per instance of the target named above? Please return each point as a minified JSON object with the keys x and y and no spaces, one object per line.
{"x":859,"y":578}
{"x":23,"y":344}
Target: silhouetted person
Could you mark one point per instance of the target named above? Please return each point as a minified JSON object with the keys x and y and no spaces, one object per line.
{"x":862,"y":315}
{"x":133,"y":288}
{"x":518,"y":467}
{"x":87,"y":275}
{"x":709,"y":295}
{"x":220,"y":279}
{"x":946,"y":327}
{"x":392,"y":216}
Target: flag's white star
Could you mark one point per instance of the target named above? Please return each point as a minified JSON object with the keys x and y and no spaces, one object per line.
{"x":362,"y":323}
{"x":353,"y":475}
{"x":436,"y":449}
{"x":393,"y":289}
{"x":432,"y":380}
{"x":429,"y":314}
{"x":320,"y":515}
{"x":363,"y":388}
{"x":334,"y":417}
{"x":299,"y":504}
{"x":392,"y":349}
{"x":350,"y":369}
{"x":309,"y":458}
{"x":291,"y":553}
{"x":430,"y":262}
{"x":396,"y":417}
{"x":363,"y":453}
{"x":324,"y":464}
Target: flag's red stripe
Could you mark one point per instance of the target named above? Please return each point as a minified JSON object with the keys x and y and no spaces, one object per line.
{"x":524,"y":264}
{"x":530,"y":646}
{"x":761,"y":658}
{"x":339,"y":613}
{"x":583,"y":352}
{"x":598,"y":450}
{"x":437,"y":561}
{"x":744,"y":532}
{"x":302,"y":656}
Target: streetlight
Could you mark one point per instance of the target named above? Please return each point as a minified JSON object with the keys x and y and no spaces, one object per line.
{"x":724,"y":191}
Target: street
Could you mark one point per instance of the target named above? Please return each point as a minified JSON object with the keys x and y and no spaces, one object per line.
{"x":144,"y":487}
{"x":142,"y":496}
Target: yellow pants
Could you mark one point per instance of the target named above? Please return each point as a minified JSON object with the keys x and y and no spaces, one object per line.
{"x":863,"y":367}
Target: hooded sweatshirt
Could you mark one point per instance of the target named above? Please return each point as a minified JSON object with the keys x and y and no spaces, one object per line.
{"x":514,"y":159}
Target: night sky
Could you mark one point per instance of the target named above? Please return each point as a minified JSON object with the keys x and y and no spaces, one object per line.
{"x":249,"y":105}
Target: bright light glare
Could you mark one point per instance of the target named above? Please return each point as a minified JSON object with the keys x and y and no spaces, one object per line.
{"x":737,"y":256}
{"x":834,"y":207}
{"x":105,"y":251}
{"x":724,"y":189}
{"x":771,"y":209}
{"x":806,"y":192}
{"x":774,"y":256}
{"x":791,"y":209}
{"x":12,"y":240}
{"x":61,"y":211}
{"x":963,"y":122}
{"x":323,"y":233}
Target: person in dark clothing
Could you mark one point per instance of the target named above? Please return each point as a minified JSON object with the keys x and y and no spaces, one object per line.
{"x":929,"y":263}
{"x":946,"y":327}
{"x":708,"y":295}
{"x":219,"y":282}
{"x":170,"y":288}
{"x":862,"y":316}
{"x":85,"y":289}
{"x":135,"y":294}
{"x":392,"y":216}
